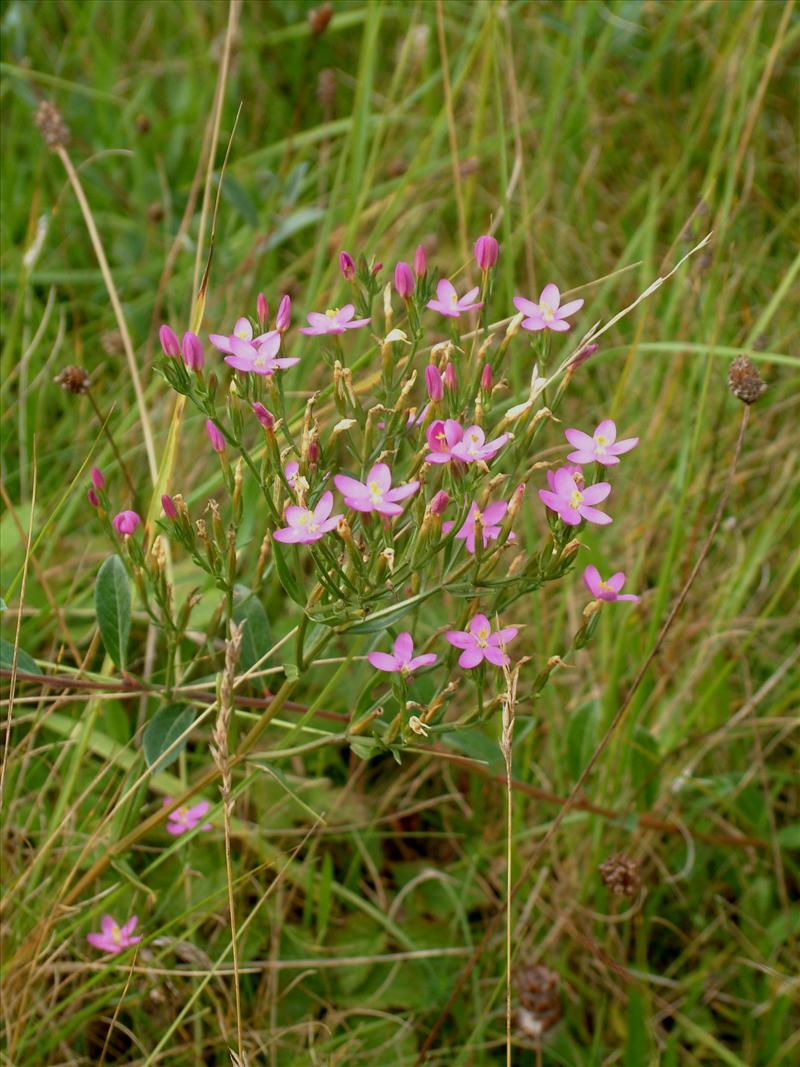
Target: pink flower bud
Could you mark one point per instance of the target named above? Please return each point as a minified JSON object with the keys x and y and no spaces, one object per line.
{"x":420,"y":262}
{"x":98,"y":481}
{"x":215,"y":436}
{"x":347,"y":266}
{"x":486,"y":249}
{"x":439,"y":503}
{"x":486,"y":378}
{"x":376,"y":269}
{"x":192,"y":351}
{"x":313,"y":453}
{"x":450,"y":377}
{"x":583,"y":355}
{"x":169,"y":342}
{"x":433,"y":382}
{"x":93,"y":498}
{"x":262,"y":308}
{"x":403,"y":280}
{"x":168,"y":505}
{"x":125,"y":523}
{"x":264,"y":416}
{"x":284,"y":316}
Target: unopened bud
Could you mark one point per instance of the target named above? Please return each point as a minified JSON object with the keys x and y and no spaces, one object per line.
{"x":192,"y":351}
{"x":283,"y":317}
{"x":434,"y":383}
{"x":450,"y":381}
{"x":581,"y":357}
{"x":169,"y":342}
{"x":403,"y":280}
{"x":439,"y":503}
{"x":486,"y":250}
{"x":168,"y":504}
{"x":215,"y":436}
{"x":93,"y":498}
{"x":347,"y":266}
{"x":98,"y":481}
{"x":420,"y":262}
{"x":264,"y":416}
{"x":262,"y":308}
{"x":486,"y":378}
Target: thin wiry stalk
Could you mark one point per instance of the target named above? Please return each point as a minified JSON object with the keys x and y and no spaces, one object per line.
{"x":506,"y":747}
{"x":221,"y":755}
{"x":105,"y":270}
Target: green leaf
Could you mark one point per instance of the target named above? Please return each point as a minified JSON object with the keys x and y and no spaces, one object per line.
{"x":789,"y":836}
{"x":581,"y":737}
{"x":366,"y":747}
{"x":644,"y":767}
{"x":285,"y":576}
{"x":112,"y":599}
{"x":323,"y":896}
{"x":637,"y":1046}
{"x":163,"y":730}
{"x":257,"y":635}
{"x":25,"y":663}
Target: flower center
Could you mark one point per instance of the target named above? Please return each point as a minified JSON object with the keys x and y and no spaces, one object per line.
{"x":547,"y":312}
{"x":453,"y":300}
{"x":332,"y":313}
{"x":375,"y":492}
{"x":605,"y":587}
{"x":600,"y":443}
{"x":116,"y":934}
{"x":241,"y":332}
{"x":482,"y":636}
{"x":576,"y":499}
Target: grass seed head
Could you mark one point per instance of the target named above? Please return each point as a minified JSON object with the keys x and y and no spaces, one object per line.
{"x":744,"y":381}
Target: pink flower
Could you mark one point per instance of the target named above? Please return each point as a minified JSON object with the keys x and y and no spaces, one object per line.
{"x":549,"y":313}
{"x":114,"y":938}
{"x":283,"y":317}
{"x":168,"y":504}
{"x":242,"y":331}
{"x":335,"y":320}
{"x":486,"y":249}
{"x":215,"y":436}
{"x":187,"y":818}
{"x":479,"y":643}
{"x":264,"y":415}
{"x":433,"y":382}
{"x":169,"y":342}
{"x":291,"y":471}
{"x":306,"y":526}
{"x":259,"y":356}
{"x":347,"y":266}
{"x":98,"y":481}
{"x":601,"y":446}
{"x":449,"y":303}
{"x":609,"y":590}
{"x":126,"y":522}
{"x":447,"y":440}
{"x":574,"y":504}
{"x":490,"y":517}
{"x":420,"y":262}
{"x":376,"y":494}
{"x":192,"y":351}
{"x":570,"y":468}
{"x":403,"y":659}
{"x":403,"y":280}
{"x":93,"y":498}
{"x":262,"y":308}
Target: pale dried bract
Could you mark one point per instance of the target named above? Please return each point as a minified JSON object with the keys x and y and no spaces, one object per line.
{"x":52,"y":127}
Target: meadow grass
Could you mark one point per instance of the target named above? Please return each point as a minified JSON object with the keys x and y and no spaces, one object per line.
{"x":604,"y":140}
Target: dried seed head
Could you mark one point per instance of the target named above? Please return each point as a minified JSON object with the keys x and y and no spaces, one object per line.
{"x":539,"y":991}
{"x":74,"y":380}
{"x":52,"y":127}
{"x":319,"y":18}
{"x":111,"y":342}
{"x":744,"y":381}
{"x":621,"y":875}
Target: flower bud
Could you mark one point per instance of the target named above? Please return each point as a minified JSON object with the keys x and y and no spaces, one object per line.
{"x":215,"y":436}
{"x":347,"y":266}
{"x":420,"y":262}
{"x":168,"y":505}
{"x":403,"y":280}
{"x":126,"y":522}
{"x":262,"y":308}
{"x":93,"y":498}
{"x":433,"y":382}
{"x":169,"y":342}
{"x":486,"y":249}
{"x":284,"y":315}
{"x":192,"y":351}
{"x":450,"y":382}
{"x":98,"y":481}
{"x":486,"y":378}
{"x":439,"y":503}
{"x":264,"y":416}
{"x":313,"y":452}
{"x":582,"y":356}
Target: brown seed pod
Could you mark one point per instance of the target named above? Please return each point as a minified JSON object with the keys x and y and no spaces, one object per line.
{"x":74,"y":380}
{"x":539,"y":992}
{"x":621,"y":875}
{"x":744,"y":381}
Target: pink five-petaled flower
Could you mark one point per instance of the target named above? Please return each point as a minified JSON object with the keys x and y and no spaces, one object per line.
{"x":602,"y":447}
{"x":114,"y":938}
{"x":125,"y":523}
{"x":479,"y":643}
{"x":574,"y":504}
{"x":376,"y":494}
{"x":306,"y":526}
{"x":402,"y":659}
{"x":549,"y":313}
{"x":608,"y":590}
{"x":259,"y":356}
{"x":448,"y":440}
{"x":181,"y":820}
{"x":335,"y":320}
{"x":449,"y":303}
{"x":291,"y":470}
{"x":490,"y":517}
{"x":242,"y":331}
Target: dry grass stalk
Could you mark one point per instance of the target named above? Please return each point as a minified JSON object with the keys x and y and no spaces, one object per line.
{"x":221,"y":755}
{"x":509,"y":705}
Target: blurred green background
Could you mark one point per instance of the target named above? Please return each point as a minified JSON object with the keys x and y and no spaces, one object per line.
{"x":599,"y":139}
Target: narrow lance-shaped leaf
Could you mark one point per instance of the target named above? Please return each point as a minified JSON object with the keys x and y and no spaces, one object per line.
{"x":162,"y":731}
{"x":112,"y":598}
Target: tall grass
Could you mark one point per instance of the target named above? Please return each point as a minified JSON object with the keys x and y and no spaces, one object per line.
{"x":603,"y":140}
